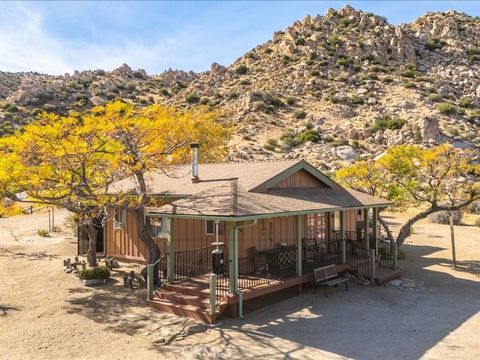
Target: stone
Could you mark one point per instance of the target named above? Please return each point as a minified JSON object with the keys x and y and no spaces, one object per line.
{"x":395,"y":282}
{"x":409,"y":284}
{"x":115,"y":264}
{"x":194,"y":329}
{"x":159,"y":340}
{"x":371,"y":101}
{"x":429,"y":128}
{"x":347,"y":153}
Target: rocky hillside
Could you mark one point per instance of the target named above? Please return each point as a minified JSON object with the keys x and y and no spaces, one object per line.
{"x":330,"y":88}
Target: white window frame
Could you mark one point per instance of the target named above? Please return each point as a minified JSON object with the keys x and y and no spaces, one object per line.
{"x":221,"y":227}
{"x":159,"y":233}
{"x":120,"y":224}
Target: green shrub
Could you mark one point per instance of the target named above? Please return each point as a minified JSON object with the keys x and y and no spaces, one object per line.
{"x":165,"y":92}
{"x":299,"y":114}
{"x":344,"y":22}
{"x":43,"y":233}
{"x":241,"y":69}
{"x":344,"y":61}
{"x":100,"y":72}
{"x":410,"y":85}
{"x":333,"y":40}
{"x":367,"y":57}
{"x":272,"y":142}
{"x":300,"y":41}
{"x":95,"y":273}
{"x":408,"y":73}
{"x":314,"y":72}
{"x":434,"y":43}
{"x":312,"y":56}
{"x":10,"y":108}
{"x":387,"y":122}
{"x":435,"y":98}
{"x":137,"y":74}
{"x":447,"y":109}
{"x":357,"y":100}
{"x":272,"y":100}
{"x":192,"y":98}
{"x":443,"y":217}
{"x":308,"y":135}
{"x":290,"y":100}
{"x":269,"y":147}
{"x":466,"y":103}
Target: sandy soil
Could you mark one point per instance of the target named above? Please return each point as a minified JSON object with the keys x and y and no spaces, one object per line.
{"x":48,"y":314}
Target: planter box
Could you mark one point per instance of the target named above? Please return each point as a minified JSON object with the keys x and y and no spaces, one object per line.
{"x":90,"y":282}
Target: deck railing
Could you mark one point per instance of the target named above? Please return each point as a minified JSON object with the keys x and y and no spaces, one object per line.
{"x":251,"y":274}
{"x":322,"y":254}
{"x":192,"y":263}
{"x":359,"y":258}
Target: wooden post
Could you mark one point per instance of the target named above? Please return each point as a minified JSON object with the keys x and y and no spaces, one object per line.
{"x":365,"y":228}
{"x":170,"y":250}
{"x":299,"y":244}
{"x":372,"y":267}
{"x":395,"y":257}
{"x":452,"y":236}
{"x":375,"y":228}
{"x":150,"y":290}
{"x":233,"y":263}
{"x":213,"y":293}
{"x":342,"y":237}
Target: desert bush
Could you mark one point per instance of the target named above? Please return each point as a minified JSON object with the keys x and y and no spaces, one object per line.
{"x":241,"y":69}
{"x":410,"y":85}
{"x":299,"y":114}
{"x":290,"y":100}
{"x":269,"y":147}
{"x":442,"y":217}
{"x":408,"y":73}
{"x":387,"y":122}
{"x":300,"y":41}
{"x":477,"y":222}
{"x":434,"y":43}
{"x":137,"y":74}
{"x":308,"y":135}
{"x":43,"y":233}
{"x":314,"y":72}
{"x":95,"y":273}
{"x":100,"y":72}
{"x":466,"y":103}
{"x":272,"y":142}
{"x":449,"y":109}
{"x":357,"y":100}
{"x":435,"y":98}
{"x":192,"y":98}
{"x":344,"y":61}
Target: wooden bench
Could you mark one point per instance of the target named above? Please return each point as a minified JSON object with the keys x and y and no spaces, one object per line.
{"x":328,"y":276}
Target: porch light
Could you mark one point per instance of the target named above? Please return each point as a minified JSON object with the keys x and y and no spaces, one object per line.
{"x":194,"y":147}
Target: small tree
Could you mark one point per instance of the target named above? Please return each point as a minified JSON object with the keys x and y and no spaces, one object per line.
{"x":442,"y":179}
{"x":58,"y":161}
{"x":154,"y":138}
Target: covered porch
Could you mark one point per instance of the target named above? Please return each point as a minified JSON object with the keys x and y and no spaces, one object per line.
{"x":258,"y":259}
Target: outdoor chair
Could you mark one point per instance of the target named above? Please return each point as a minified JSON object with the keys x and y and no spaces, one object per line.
{"x":328,"y":276}
{"x":260,"y":262}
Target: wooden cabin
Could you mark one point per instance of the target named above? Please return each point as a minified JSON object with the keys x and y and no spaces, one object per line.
{"x":274,"y":222}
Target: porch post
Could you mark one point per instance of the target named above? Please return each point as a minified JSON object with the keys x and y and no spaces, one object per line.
{"x":365,"y":228}
{"x":299,"y":244}
{"x":342,"y":236}
{"x":233,"y":259}
{"x":170,"y":251}
{"x":372,"y":267}
{"x":375,"y":228}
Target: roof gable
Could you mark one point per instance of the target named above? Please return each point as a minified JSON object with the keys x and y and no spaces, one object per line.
{"x":281,"y":179}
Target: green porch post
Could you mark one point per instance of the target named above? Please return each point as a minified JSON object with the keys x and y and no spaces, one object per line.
{"x":365,"y":228}
{"x":233,"y":259}
{"x":170,"y":250}
{"x":342,"y":236}
{"x":375,"y":228}
{"x":299,"y":244}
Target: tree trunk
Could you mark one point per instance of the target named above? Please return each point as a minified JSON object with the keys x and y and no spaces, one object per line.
{"x":406,"y":229}
{"x":452,"y":236}
{"x":92,"y":243}
{"x":153,"y":250}
{"x":387,"y":229}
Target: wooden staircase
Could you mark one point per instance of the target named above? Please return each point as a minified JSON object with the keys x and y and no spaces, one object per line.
{"x":188,"y":298}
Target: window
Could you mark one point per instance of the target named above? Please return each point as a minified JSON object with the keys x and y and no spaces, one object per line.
{"x":210,"y":227}
{"x":120,"y":218}
{"x":315,"y":227}
{"x":158,"y":227}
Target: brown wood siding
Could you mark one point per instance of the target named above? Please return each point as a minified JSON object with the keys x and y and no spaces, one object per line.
{"x":301,"y":178}
{"x":267,"y":234}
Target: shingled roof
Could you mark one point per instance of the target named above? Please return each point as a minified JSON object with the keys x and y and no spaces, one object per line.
{"x":245,"y":190}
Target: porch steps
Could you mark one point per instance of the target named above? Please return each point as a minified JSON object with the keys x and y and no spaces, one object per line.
{"x":383,"y":275}
{"x":188,"y":298}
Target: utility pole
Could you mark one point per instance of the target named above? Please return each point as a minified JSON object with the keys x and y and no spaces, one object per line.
{"x":452,"y":236}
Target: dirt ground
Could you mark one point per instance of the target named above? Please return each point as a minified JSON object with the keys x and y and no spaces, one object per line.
{"x":45,"y":313}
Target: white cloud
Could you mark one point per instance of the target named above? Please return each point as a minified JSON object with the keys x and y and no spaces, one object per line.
{"x":26,"y":45}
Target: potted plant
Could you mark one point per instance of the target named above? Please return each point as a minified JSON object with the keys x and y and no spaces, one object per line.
{"x":95,"y":276}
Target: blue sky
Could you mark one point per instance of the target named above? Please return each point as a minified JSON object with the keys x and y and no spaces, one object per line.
{"x":59,"y":37}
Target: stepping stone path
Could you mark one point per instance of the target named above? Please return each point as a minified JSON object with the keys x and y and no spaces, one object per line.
{"x":404,"y":284}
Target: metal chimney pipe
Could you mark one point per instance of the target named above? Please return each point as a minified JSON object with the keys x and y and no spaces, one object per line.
{"x":195,"y":147}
